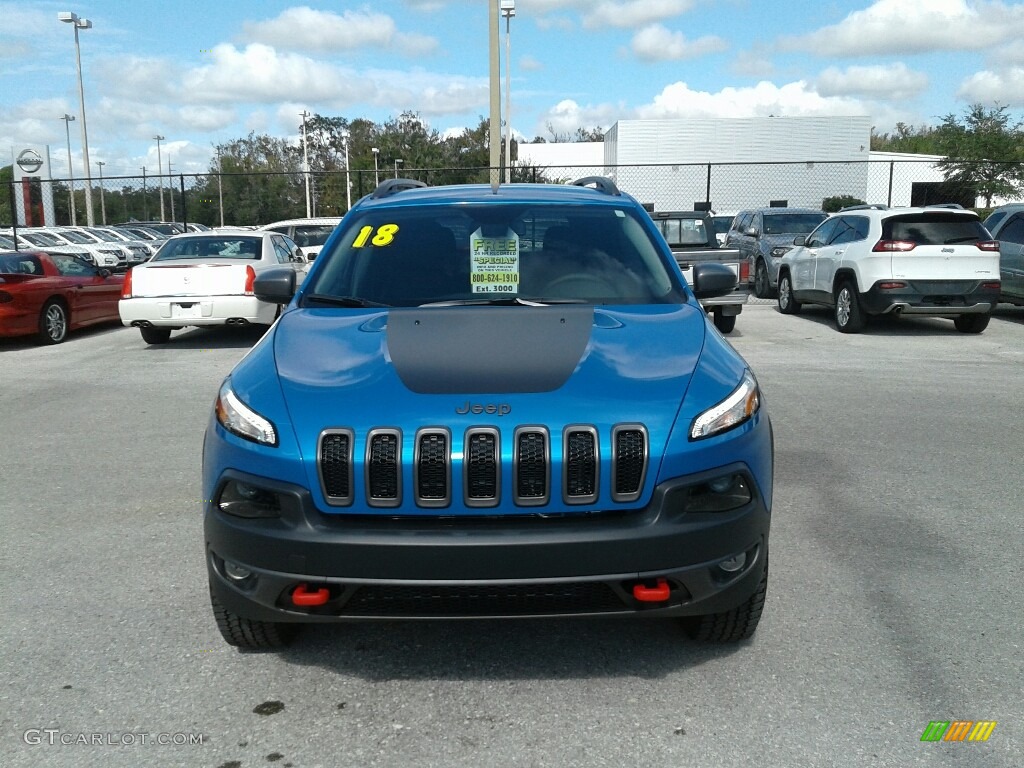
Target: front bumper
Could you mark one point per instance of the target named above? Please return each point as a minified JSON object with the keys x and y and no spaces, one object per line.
{"x":932,"y":298}
{"x":443,"y":567}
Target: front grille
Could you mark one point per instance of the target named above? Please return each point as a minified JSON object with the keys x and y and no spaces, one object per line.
{"x":498,"y":600}
{"x":482,"y":467}
{"x":629,"y":461}
{"x":433,"y":468}
{"x":531,"y":467}
{"x":383,"y":470}
{"x":581,"y":461}
{"x":479,"y":475}
{"x":335,"y":454}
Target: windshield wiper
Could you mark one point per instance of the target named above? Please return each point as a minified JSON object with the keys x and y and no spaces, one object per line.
{"x":505,"y":301}
{"x":342,"y":301}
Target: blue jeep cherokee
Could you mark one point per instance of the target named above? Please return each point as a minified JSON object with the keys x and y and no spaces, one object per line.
{"x":489,"y":402}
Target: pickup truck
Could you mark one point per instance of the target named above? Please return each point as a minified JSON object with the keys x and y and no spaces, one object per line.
{"x":692,"y":238}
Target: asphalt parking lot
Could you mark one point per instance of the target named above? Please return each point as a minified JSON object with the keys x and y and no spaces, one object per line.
{"x":895,"y":596}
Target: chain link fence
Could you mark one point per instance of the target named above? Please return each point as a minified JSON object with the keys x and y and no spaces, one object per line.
{"x":253,"y":199}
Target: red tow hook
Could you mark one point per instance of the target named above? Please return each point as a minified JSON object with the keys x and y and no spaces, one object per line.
{"x":301,"y":596}
{"x":659,"y":593}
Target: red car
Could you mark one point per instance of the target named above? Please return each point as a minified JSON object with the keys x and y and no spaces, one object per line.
{"x":51,"y":294}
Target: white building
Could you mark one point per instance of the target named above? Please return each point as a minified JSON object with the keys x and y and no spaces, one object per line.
{"x":744,"y":163}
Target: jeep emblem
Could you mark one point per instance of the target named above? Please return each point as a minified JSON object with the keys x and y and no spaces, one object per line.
{"x":499,"y":408}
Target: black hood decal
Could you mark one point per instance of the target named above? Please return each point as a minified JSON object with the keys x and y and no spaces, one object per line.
{"x":477,"y":350}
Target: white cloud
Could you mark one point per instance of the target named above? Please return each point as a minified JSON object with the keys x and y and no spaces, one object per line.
{"x":306,"y":29}
{"x":657,"y":43}
{"x":914,"y":26}
{"x":632,"y":13}
{"x":428,"y":93}
{"x":530,"y":64}
{"x":258,"y":73}
{"x":752,"y":63}
{"x":1005,"y":87}
{"x":207,"y":118}
{"x":792,"y":99}
{"x":893,"y":82}
{"x":566,"y":116}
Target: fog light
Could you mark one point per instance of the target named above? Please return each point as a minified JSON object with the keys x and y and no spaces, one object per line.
{"x":721,"y":484}
{"x":236,"y":572}
{"x":245,"y":500}
{"x":733,"y":564}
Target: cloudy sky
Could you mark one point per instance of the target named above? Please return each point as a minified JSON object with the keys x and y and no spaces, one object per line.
{"x":200,"y":72}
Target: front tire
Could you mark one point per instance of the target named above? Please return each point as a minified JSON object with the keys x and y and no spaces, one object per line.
{"x":249,"y":634}
{"x":733,"y":625}
{"x":724,"y":323}
{"x":762,"y":286}
{"x":787,"y":304}
{"x":971,"y":323}
{"x":53,"y":323}
{"x":849,"y":315}
{"x":154,"y":335}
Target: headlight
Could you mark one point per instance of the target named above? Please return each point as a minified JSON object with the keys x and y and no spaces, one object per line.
{"x":779,"y":251}
{"x":737,"y":408}
{"x":236,"y":417}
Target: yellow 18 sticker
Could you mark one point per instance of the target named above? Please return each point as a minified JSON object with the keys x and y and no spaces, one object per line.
{"x":385,"y":235}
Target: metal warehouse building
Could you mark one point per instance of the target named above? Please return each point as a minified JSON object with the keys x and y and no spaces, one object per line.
{"x":736,"y":163}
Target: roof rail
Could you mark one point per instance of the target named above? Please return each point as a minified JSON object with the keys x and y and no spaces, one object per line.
{"x":601,"y":184}
{"x":945,"y":205}
{"x":390,"y":187}
{"x":865,"y":207}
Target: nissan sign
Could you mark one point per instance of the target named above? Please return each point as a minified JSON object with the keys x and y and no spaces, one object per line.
{"x":29,"y":161}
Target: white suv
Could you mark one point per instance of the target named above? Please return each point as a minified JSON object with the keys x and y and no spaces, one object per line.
{"x":873,"y":260}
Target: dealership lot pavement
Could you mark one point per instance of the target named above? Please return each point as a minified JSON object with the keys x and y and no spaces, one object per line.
{"x":895,"y":596}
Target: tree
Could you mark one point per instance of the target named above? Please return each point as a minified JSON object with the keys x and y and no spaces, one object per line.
{"x":838,"y":202}
{"x":984,"y":154}
{"x":907,"y":138}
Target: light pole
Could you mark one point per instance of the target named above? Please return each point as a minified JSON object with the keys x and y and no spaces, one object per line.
{"x":170,"y":179}
{"x":305,"y":163}
{"x":160,"y":174}
{"x":376,"y":170}
{"x":508,"y":10}
{"x":145,"y":199}
{"x":103,"y":203}
{"x":494,"y":127}
{"x":68,"y":119}
{"x":398,"y":161}
{"x":220,"y":188}
{"x":77,"y":24}
{"x":348,"y":177}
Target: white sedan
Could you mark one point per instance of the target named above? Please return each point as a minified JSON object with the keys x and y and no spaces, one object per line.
{"x":203,"y":279}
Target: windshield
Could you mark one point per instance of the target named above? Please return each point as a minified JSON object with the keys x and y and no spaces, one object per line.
{"x":203,"y":247}
{"x":314,"y":234}
{"x":481,"y":253}
{"x":42,"y":238}
{"x":77,"y":237}
{"x":791,"y":223}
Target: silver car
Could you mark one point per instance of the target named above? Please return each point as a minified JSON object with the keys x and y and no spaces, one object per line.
{"x":763,"y":235}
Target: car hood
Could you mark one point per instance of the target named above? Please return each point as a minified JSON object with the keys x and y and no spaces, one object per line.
{"x":770,"y":241}
{"x":501,"y":366}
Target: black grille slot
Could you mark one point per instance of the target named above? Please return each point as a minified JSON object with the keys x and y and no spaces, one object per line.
{"x":383,"y":470}
{"x":433,"y":470}
{"x":532,"y":466}
{"x":497,"y":600}
{"x":580,"y":465}
{"x":481,"y":467}
{"x":336,"y":466}
{"x":629,"y":461}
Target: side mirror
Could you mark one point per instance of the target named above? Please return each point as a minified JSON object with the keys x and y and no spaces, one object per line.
{"x":799,"y":239}
{"x":275,"y":286}
{"x":751,"y":231}
{"x":105,"y":273}
{"x":712,"y":279}
{"x":299,"y":256}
